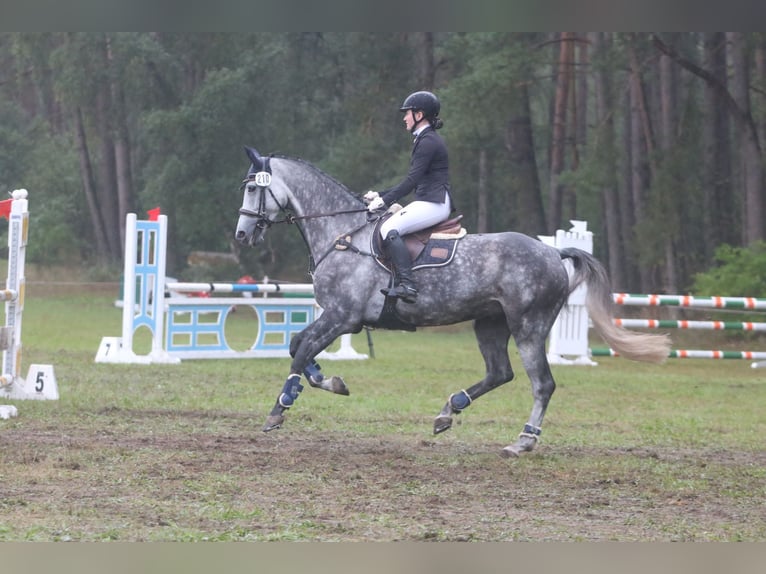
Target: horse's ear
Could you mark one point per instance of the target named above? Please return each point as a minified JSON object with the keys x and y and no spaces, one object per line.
{"x":253,"y":154}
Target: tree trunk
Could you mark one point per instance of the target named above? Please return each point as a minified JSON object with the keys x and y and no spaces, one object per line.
{"x":559,"y":132}
{"x":124,"y":180}
{"x":739,"y":106}
{"x":578,"y":91}
{"x":627,"y":207}
{"x":606,"y":150}
{"x":668,"y":121}
{"x":107,"y":186}
{"x":482,"y":218}
{"x":640,"y":148}
{"x":426,"y":60}
{"x":88,"y":184}
{"x":519,"y":141}
{"x":751,"y":165}
{"x":760,"y":80}
{"x":124,"y":177}
{"x":720,"y":221}
{"x":581,"y":103}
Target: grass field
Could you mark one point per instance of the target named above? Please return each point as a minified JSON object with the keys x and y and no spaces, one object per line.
{"x":630,"y":452}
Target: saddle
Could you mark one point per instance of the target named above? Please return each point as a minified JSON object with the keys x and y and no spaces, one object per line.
{"x":431,"y":247}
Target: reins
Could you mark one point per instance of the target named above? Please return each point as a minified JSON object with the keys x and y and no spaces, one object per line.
{"x":341,"y":243}
{"x":290,"y":218}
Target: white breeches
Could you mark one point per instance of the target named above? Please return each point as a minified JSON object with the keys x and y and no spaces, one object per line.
{"x":416,"y":216}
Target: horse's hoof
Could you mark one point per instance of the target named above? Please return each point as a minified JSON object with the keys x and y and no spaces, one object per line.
{"x":518,"y":448}
{"x":338,"y":386}
{"x":273,"y":422}
{"x":333,"y":384}
{"x":442,"y":423}
{"x":510,"y":452}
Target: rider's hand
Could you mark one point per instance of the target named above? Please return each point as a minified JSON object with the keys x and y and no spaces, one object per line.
{"x":370,"y":196}
{"x":376,"y":204}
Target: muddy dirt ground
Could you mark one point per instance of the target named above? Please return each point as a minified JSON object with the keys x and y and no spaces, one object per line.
{"x":125,"y":474}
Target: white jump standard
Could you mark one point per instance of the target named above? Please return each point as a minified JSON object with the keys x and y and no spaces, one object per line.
{"x":40,"y":382}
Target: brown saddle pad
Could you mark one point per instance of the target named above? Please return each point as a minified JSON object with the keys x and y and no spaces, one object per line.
{"x":451,"y":229}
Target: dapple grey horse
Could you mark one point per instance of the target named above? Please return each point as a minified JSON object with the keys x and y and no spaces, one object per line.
{"x":508,"y":284}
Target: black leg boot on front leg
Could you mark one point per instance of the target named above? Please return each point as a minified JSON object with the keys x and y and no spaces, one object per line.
{"x":404,"y":283}
{"x":290,"y":391}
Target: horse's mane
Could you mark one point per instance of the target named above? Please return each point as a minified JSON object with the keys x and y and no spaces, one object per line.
{"x":319,"y":172}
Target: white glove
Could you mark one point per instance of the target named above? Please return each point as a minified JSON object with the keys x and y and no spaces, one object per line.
{"x":376,"y":204}
{"x":370,"y":195}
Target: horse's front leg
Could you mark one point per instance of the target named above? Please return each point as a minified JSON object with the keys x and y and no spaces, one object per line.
{"x":303,"y":349}
{"x":313,"y":372}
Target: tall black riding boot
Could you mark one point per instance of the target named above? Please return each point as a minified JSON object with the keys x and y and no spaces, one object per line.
{"x":404,"y":283}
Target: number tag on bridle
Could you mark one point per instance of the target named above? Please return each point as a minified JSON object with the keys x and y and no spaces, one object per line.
{"x":262,"y":179}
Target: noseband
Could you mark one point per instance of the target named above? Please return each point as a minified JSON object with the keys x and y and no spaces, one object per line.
{"x":261,"y":181}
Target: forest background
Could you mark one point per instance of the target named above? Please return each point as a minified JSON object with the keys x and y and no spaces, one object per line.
{"x":654,"y":139}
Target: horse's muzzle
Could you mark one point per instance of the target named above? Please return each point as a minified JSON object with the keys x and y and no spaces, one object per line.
{"x":242,"y":237}
{"x":251,"y":227}
{"x":250,"y":239}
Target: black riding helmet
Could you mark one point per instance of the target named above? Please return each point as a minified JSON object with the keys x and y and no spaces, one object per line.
{"x":426,"y":102}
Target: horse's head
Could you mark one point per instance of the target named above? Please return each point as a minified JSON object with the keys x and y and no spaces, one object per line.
{"x":262,"y":202}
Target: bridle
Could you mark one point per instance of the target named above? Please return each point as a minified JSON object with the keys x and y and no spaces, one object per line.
{"x":255,"y":182}
{"x":261,"y":181}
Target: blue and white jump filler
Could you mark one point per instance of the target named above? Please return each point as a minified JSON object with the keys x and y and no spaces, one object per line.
{"x":508,"y":284}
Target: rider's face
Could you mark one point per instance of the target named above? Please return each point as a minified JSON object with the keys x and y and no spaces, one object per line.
{"x":411,"y":118}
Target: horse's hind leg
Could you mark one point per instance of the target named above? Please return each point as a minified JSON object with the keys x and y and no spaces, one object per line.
{"x":532,"y":351}
{"x":493,"y":335}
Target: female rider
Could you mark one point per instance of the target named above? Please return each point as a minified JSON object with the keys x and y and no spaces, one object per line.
{"x":429,"y":177}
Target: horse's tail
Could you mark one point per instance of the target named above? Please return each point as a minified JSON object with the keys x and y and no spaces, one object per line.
{"x":600,"y":304}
